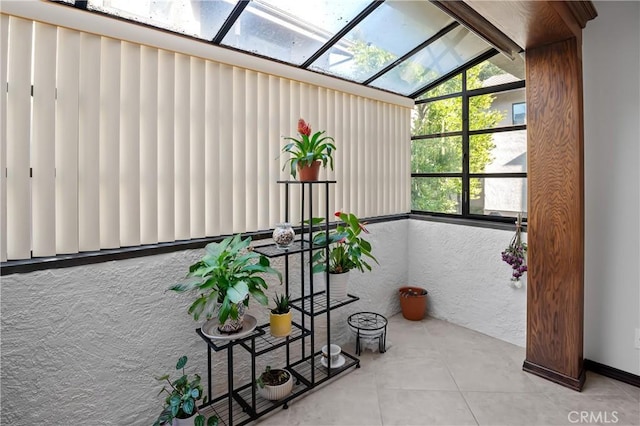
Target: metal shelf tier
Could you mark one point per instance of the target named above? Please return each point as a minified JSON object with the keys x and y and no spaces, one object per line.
{"x":310,"y":369}
{"x":319,"y":303}
{"x":266,"y":342}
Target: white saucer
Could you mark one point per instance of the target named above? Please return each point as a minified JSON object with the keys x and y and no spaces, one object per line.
{"x":210,"y":329}
{"x":339,"y":363}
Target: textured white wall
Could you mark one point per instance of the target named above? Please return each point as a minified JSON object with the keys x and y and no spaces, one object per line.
{"x":467,"y":280}
{"x":612,"y":184}
{"x":82,"y":345}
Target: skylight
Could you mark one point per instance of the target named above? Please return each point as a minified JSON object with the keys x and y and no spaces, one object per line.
{"x":400,"y":46}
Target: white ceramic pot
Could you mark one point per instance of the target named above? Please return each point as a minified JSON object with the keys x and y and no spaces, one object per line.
{"x":273,"y":393}
{"x":184,"y":422}
{"x":339,"y":284}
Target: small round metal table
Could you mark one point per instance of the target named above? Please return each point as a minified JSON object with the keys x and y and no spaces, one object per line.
{"x":369,"y":326}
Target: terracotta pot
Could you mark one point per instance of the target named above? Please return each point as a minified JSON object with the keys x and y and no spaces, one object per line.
{"x":309,"y":173}
{"x":280,"y":324}
{"x":413,"y":301}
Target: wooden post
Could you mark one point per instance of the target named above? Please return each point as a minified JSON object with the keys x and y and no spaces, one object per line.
{"x":555,"y":288}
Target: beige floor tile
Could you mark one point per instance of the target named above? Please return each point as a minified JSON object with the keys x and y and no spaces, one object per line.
{"x":508,"y":409}
{"x":415,"y":373}
{"x":477,"y":370}
{"x":331,"y":405}
{"x":411,"y":407}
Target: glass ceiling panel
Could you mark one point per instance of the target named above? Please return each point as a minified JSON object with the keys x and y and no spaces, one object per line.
{"x":201,"y":19}
{"x":290,"y":30}
{"x":390,"y":31}
{"x":437,"y":59}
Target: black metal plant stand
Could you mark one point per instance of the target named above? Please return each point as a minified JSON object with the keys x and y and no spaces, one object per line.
{"x":369,"y":326}
{"x":241,"y":403}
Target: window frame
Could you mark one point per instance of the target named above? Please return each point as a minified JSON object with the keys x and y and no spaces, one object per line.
{"x":466,"y":175}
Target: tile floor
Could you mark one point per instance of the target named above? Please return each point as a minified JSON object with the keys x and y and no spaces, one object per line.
{"x":437,"y":373}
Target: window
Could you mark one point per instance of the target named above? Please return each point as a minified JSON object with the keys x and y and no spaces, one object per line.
{"x":468,"y":149}
{"x":519,"y":113}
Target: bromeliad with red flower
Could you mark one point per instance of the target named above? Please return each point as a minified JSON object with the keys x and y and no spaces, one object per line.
{"x":308,"y":149}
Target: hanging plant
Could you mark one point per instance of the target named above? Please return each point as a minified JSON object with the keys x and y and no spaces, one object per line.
{"x":516,"y":253}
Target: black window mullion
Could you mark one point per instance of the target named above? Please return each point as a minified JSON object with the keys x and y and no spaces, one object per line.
{"x":465,"y":147}
{"x":436,"y":135}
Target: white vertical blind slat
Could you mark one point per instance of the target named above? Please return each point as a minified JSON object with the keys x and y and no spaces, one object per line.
{"x":166,"y":166}
{"x":405,"y":168}
{"x":148,"y":145}
{"x":273,"y":134}
{"x":18,"y":123}
{"x":68,"y":74}
{"x":284,"y":117}
{"x":239,"y":150}
{"x":130,"y":145}
{"x":320,"y":107}
{"x":4,"y":55}
{"x":212,"y":149}
{"x":227,"y":101}
{"x":43,"y":181}
{"x":182,"y":149}
{"x":197,"y":150}
{"x":263,"y":155}
{"x":89,"y":144}
{"x":385,"y":161}
{"x":290,"y":129}
{"x":109,"y":143}
{"x":336,"y":116}
{"x":251,"y":154}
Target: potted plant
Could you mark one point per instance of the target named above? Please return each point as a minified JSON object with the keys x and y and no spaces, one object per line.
{"x":347,"y":251}
{"x":224,"y":279}
{"x":280,"y":316}
{"x":309,"y":152}
{"x":413,"y":302}
{"x":274,"y":384}
{"x":180,"y":405}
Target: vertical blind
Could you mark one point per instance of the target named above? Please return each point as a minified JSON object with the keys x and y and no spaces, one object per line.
{"x":107,"y":143}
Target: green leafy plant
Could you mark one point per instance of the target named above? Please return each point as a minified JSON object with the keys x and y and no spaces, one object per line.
{"x":348,"y":250}
{"x":282,"y":304}
{"x":272,"y":377}
{"x":309,"y":148}
{"x":225,"y":277}
{"x":182,"y":396}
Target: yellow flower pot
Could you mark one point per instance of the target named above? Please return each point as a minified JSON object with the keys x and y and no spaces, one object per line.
{"x":280,"y":324}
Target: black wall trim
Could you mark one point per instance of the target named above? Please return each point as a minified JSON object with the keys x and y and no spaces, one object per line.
{"x":612,"y":373}
{"x":107,"y":255}
{"x":503,"y":224}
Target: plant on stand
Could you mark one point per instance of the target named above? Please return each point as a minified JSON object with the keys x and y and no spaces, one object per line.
{"x":274,"y":384}
{"x":347,"y":251}
{"x":309,"y":152}
{"x":224,"y":279}
{"x":516,"y":254}
{"x":280,"y":316}
{"x":182,"y":397}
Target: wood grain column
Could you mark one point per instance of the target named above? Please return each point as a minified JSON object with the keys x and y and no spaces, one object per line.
{"x":555,"y":293}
